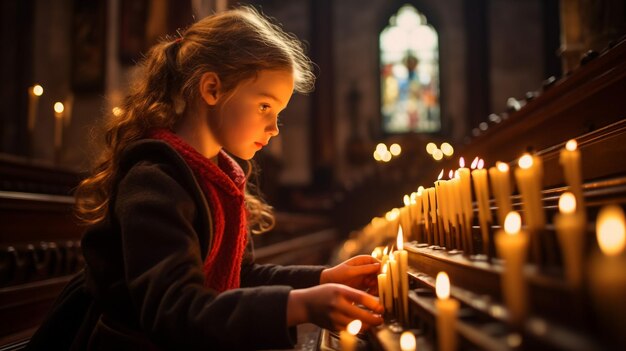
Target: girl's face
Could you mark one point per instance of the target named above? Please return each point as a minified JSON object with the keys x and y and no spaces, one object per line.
{"x":248,"y":118}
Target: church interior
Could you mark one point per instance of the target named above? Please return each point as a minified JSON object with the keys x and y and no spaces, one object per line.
{"x":477,"y":148}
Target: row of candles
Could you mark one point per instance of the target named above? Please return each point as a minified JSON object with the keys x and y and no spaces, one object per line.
{"x":62,"y":114}
{"x":443,"y":215}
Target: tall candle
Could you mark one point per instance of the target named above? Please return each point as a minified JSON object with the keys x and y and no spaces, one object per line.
{"x":426,"y":212}
{"x":570,"y":228}
{"x":347,"y":338}
{"x":34,"y":93}
{"x":529,"y":180}
{"x":433,"y":213}
{"x":501,"y":188}
{"x":569,"y":158}
{"x":465,"y":186}
{"x":481,"y":188}
{"x":401,"y":256}
{"x":607,"y":274}
{"x":58,"y":125}
{"x":388,"y":295}
{"x":447,"y":310}
{"x":382,"y":287}
{"x":442,"y":206}
{"x":395,"y":283}
{"x":512,"y":246}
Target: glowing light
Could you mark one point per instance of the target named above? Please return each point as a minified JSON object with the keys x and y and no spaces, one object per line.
{"x":571,"y":145}
{"x":457,"y":175}
{"x":407,"y":200}
{"x":461,"y":162}
{"x":420,"y":190}
{"x":377,"y":252}
{"x":384,"y":270}
{"x":474,"y":163}
{"x":37,"y":90}
{"x":377,"y":156}
{"x":413,"y":198}
{"x":58,"y":107}
{"x":440,"y":175}
{"x":567,"y":203}
{"x":610,"y":229}
{"x":354,"y":327}
{"x":407,"y":341}
{"x":116,"y":111}
{"x":386,"y":250}
{"x":395,"y":149}
{"x":447,"y":149}
{"x":400,"y":239}
{"x":526,"y":161}
{"x":437,"y":155}
{"x":512,"y":223}
{"x":442,"y":286}
{"x":386,"y":157}
{"x":381,"y":148}
{"x":430,"y":148}
{"x":481,"y":164}
{"x":502,"y":167}
{"x":451,"y":174}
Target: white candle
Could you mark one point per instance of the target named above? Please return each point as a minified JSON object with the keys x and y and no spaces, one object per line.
{"x":607,"y":274}
{"x":58,"y":125}
{"x":501,"y":188}
{"x":570,"y":229}
{"x":447,"y":310}
{"x":388,"y":295}
{"x":512,"y":246}
{"x":481,"y":189}
{"x":569,"y":158}
{"x":347,"y":338}
{"x":34,"y":93}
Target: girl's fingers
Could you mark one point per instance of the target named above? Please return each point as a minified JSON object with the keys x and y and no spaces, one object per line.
{"x":362,"y":298}
{"x":354,"y":312}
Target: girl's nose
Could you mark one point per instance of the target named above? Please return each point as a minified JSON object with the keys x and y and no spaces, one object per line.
{"x":272,"y":129}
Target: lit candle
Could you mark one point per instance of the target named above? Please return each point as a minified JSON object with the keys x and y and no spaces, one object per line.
{"x":348,"y":337}
{"x":401,"y":256}
{"x":512,"y":246}
{"x":570,"y":228}
{"x":442,"y":205}
{"x":388,"y":295}
{"x":447,"y":309}
{"x":608,"y":274}
{"x":416,"y":208}
{"x":426,"y":212}
{"x":407,"y":341}
{"x":569,"y":158}
{"x":501,"y":188}
{"x":382,"y":287}
{"x":433,"y":213}
{"x":465,"y":186}
{"x":58,"y":125}
{"x":394,"y":269}
{"x":34,"y":93}
{"x":529,"y":180}
{"x":405,"y":215}
{"x":481,"y":189}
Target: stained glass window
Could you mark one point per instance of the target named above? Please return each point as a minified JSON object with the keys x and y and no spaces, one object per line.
{"x":409,"y":68}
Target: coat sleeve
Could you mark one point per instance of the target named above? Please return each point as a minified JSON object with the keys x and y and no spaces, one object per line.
{"x":298,"y":277}
{"x":163,"y":271}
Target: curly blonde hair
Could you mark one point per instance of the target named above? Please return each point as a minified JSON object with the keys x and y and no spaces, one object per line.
{"x":236,"y":44}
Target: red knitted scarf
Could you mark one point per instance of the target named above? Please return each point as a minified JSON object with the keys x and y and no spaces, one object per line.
{"x":223,"y":186}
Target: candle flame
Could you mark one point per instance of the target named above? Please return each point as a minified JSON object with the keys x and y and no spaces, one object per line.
{"x":407,"y":341}
{"x":37,"y":90}
{"x":413,"y":198}
{"x":502,"y":167}
{"x":457,"y":175}
{"x":461,"y":162}
{"x":611,"y":231}
{"x":58,"y":107}
{"x":400,"y":239}
{"x":571,"y":145}
{"x":377,"y":252}
{"x":526,"y":161}
{"x":354,"y":327}
{"x":451,"y":174}
{"x":407,"y":200}
{"x":474,"y":163}
{"x":442,"y":286}
{"x":481,"y":164}
{"x":440,"y":175}
{"x":567,"y":203}
{"x":420,"y":190}
{"x":512,"y":223}
{"x":386,"y":250}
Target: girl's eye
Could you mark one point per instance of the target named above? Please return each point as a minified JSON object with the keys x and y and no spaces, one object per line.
{"x":264,"y":108}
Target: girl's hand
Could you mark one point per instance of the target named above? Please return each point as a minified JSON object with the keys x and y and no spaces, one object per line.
{"x":332,"y":306}
{"x":359,"y":272}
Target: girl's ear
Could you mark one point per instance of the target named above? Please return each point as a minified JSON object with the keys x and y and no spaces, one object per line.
{"x":210,"y":87}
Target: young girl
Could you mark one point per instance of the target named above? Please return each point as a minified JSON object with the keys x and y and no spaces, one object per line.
{"x":168,"y":257}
